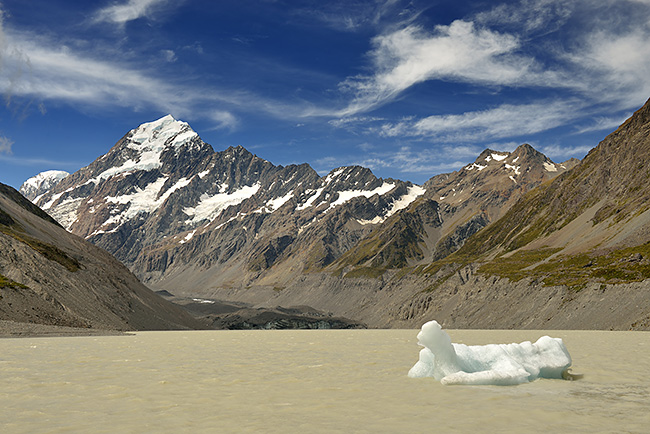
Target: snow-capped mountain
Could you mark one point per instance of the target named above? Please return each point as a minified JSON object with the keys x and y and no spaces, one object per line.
{"x":164,"y":202}
{"x":41,"y":183}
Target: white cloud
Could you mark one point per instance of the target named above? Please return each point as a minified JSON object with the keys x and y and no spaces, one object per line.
{"x":129,"y":11}
{"x":599,"y":64}
{"x":604,"y":123}
{"x":529,"y":15}
{"x":404,"y":159}
{"x":407,"y":160}
{"x":39,"y":69}
{"x":562,"y":153}
{"x":169,"y":55}
{"x":459,"y":52}
{"x":5,"y":145}
{"x":497,"y":123}
{"x":224,"y":120}
{"x":618,"y":63}
{"x":355,"y":15}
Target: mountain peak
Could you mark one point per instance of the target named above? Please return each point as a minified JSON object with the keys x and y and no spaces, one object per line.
{"x":528,"y":152}
{"x":156,"y":134}
{"x":39,"y":184}
{"x":490,"y":155}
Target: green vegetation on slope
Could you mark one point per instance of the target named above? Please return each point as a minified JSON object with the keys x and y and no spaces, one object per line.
{"x":49,"y":251}
{"x":6,"y":282}
{"x":630,"y":264}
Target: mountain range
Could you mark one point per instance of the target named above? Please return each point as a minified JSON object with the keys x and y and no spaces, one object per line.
{"x":188,"y":219}
{"x":231,"y":226}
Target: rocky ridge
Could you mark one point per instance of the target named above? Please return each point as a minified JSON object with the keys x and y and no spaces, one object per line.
{"x":455,"y":206}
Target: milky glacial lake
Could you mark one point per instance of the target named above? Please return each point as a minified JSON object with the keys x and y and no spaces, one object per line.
{"x":308,"y":382}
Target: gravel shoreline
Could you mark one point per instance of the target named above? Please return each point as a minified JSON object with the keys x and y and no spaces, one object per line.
{"x":12,"y":329}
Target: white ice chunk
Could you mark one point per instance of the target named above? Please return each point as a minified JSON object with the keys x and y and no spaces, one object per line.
{"x":495,"y":364}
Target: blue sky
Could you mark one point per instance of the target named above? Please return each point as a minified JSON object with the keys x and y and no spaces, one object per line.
{"x":408,"y":88}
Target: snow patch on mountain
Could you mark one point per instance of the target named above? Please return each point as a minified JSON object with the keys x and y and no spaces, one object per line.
{"x":513,"y":168}
{"x":144,"y":200}
{"x":475,"y":166}
{"x":66,"y":212}
{"x":412,"y":193}
{"x":310,"y":201}
{"x":347,"y":195}
{"x":550,"y":167}
{"x":274,"y":204}
{"x":209,"y":207}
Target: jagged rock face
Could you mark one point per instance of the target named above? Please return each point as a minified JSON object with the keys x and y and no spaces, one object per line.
{"x":495,"y":178}
{"x":49,"y":276}
{"x":41,"y":183}
{"x":164,"y":202}
{"x":462,"y":202}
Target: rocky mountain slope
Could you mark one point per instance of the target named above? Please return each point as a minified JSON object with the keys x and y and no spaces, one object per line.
{"x":572,"y":253}
{"x":455,"y":206}
{"x":592,"y":223}
{"x":51,"y":277}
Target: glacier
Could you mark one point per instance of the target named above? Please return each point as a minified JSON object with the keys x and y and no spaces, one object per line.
{"x":493,"y":364}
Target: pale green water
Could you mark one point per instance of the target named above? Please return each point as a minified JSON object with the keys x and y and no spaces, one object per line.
{"x":307,"y":381}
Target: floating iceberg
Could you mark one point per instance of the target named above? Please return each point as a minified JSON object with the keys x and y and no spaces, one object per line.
{"x":495,"y":364}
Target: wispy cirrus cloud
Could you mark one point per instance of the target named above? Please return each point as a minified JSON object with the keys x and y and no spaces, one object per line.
{"x":40,"y":69}
{"x":561,"y":153}
{"x":528,"y":16}
{"x":459,"y":52}
{"x":354,"y":15}
{"x":504,"y":121}
{"x":131,"y":10}
{"x":404,"y":159}
{"x":5,"y":145}
{"x":513,"y":45}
